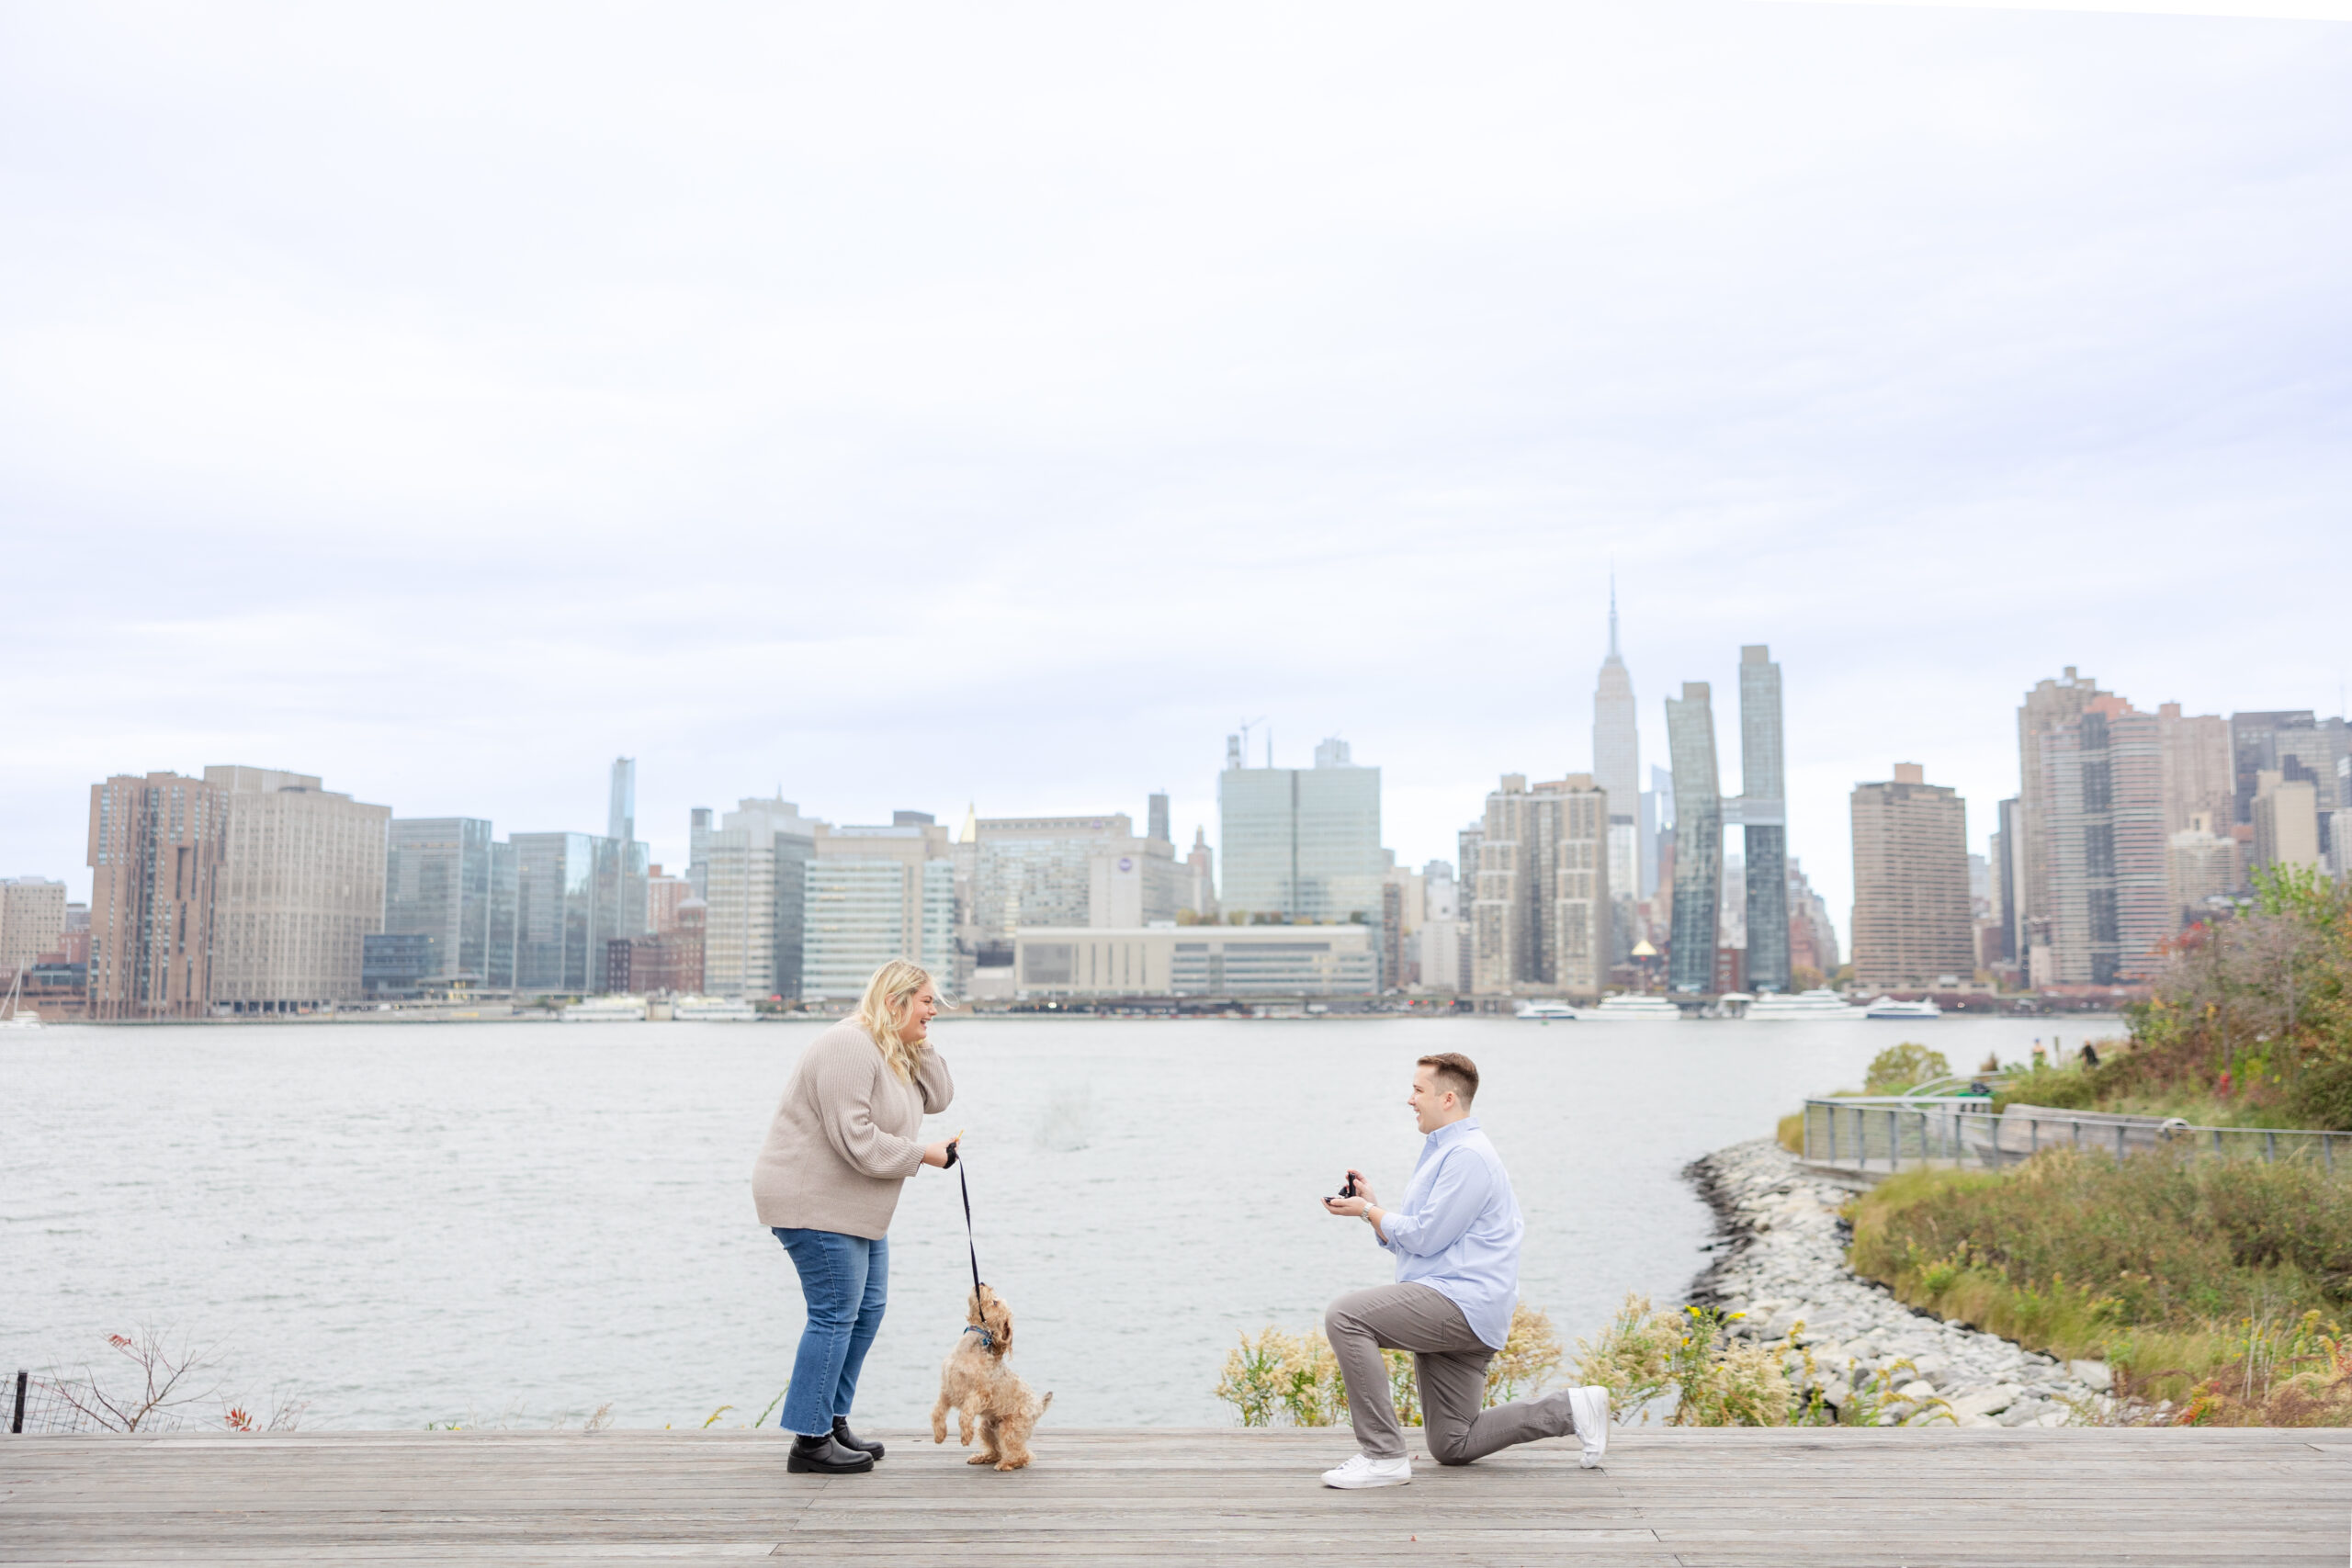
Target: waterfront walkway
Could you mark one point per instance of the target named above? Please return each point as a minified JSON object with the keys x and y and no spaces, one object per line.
{"x":1783,"y":1498}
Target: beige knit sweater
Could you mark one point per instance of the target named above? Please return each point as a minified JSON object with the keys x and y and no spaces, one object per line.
{"x":843,"y":1139}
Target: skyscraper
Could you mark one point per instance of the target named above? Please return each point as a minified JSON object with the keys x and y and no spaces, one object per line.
{"x":1657,"y":827}
{"x":620,"y":812}
{"x":437,"y":883}
{"x":302,"y":887}
{"x":2106,"y":866}
{"x":156,"y":851}
{"x":2009,"y":875}
{"x":877,"y":893}
{"x":1763,"y":815}
{"x":575,"y":893}
{"x":1541,"y":910}
{"x":1812,"y":939}
{"x":755,"y":878}
{"x":2254,"y":747}
{"x":1617,"y":768}
{"x":1302,"y":844}
{"x":2286,"y":823}
{"x":2199,"y":776}
{"x":1698,"y":837}
{"x":698,"y":830}
{"x":1200,"y":877}
{"x":1912,"y":921}
{"x":2050,"y":703}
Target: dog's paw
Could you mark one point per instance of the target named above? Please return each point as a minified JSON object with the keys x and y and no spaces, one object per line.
{"x":1022,"y":1463}
{"x":979,"y":1459}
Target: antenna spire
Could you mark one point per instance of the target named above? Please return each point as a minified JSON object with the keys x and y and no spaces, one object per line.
{"x":1612,"y":609}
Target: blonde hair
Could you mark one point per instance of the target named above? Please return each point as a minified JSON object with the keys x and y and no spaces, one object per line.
{"x":885,"y":1004}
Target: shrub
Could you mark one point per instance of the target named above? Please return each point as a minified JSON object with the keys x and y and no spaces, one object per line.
{"x":1645,"y":1354}
{"x":2060,"y":1089}
{"x":2257,"y":1007}
{"x":2320,"y":1096}
{"x":1899,"y":1068}
{"x":1278,"y":1377}
{"x":1282,"y":1374}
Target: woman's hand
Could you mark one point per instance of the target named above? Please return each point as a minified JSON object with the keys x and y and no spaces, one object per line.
{"x":936,"y":1154}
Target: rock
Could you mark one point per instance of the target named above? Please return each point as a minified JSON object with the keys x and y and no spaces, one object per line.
{"x":2092,"y":1375}
{"x":1782,"y":1260}
{"x":1986,"y":1401}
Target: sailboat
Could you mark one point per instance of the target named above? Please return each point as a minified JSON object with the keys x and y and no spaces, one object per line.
{"x":13,"y":1014}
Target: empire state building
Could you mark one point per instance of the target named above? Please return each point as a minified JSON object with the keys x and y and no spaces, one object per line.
{"x":1617,"y":763}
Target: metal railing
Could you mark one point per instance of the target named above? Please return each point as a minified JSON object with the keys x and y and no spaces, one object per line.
{"x":1890,"y":1133}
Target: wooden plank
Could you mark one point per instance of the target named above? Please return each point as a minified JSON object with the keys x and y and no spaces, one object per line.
{"x":1734,"y":1498}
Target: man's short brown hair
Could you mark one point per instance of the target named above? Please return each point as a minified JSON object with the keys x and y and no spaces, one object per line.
{"x":1455,"y":1071}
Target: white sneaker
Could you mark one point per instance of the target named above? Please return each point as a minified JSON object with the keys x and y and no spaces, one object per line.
{"x":1589,"y":1406}
{"x":1365,"y":1470}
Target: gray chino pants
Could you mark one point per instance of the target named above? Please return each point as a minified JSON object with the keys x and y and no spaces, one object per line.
{"x":1450,"y":1365}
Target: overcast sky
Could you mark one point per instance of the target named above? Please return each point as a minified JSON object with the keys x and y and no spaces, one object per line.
{"x":920,"y":406}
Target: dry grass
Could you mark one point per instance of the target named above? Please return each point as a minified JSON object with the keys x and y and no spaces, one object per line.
{"x":1276,"y":1378}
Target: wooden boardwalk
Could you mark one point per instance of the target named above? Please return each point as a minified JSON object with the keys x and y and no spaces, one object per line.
{"x":1777,"y":1498}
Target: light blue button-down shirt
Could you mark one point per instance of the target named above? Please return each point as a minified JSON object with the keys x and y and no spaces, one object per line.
{"x":1458,"y":1229}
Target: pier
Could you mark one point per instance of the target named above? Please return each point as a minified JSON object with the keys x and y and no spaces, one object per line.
{"x":1777,"y":1498}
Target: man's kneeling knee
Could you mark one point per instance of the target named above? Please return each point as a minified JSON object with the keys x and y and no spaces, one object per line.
{"x":1448,"y":1445}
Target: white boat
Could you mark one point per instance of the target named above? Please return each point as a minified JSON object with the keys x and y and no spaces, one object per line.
{"x":606,"y":1010}
{"x":12,"y":1015}
{"x":712,"y":1010}
{"x":1546,"y":1010}
{"x":1887,"y":1007}
{"x":1817,"y":1005}
{"x":1617,"y":1009}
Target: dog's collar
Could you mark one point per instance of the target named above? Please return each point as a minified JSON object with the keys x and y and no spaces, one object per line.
{"x":987,"y":1340}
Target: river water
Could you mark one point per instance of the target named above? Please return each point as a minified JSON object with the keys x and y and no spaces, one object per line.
{"x":521,"y":1222}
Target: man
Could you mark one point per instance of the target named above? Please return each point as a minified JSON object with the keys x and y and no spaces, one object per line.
{"x":1456,"y":1239}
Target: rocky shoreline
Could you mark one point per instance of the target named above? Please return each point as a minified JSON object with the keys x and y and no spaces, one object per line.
{"x":1780,"y":1259}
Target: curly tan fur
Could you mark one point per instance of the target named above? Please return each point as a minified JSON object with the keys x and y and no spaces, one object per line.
{"x":974,"y":1383}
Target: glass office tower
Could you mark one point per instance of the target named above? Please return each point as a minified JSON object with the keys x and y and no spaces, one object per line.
{"x":575,"y":892}
{"x":1303,"y":844}
{"x":1763,"y":815}
{"x":438,"y":884}
{"x":1698,"y":839}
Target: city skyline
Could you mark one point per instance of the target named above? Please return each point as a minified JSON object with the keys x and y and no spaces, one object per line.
{"x":2048,"y":369}
{"x":1808,"y":838}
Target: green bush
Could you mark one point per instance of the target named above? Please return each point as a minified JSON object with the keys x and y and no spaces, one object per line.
{"x":2060,"y":1089}
{"x":1899,"y":1068}
{"x":2322,"y":1095}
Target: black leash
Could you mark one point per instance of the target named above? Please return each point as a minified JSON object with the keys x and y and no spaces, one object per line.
{"x":970,"y":1245}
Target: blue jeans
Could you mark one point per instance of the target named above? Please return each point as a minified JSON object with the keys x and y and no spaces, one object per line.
{"x":846,"y":1280}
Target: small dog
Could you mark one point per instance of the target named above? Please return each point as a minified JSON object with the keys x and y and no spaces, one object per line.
{"x":974,"y":1383}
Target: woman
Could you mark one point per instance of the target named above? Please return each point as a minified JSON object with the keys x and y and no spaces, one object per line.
{"x":827,"y":1181}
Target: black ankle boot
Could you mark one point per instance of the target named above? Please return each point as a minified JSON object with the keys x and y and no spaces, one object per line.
{"x":849,"y":1439}
{"x":823,"y":1456}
